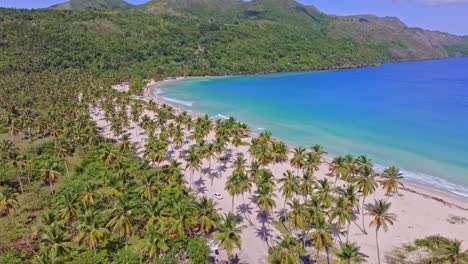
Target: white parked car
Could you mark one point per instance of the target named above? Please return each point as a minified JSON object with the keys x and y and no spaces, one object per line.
{"x":217,"y":196}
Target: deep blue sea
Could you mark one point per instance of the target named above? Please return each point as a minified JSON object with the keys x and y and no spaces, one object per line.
{"x":413,"y":115}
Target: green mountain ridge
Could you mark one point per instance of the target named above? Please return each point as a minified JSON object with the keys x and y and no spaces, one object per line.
{"x":389,"y":33}
{"x":82,"y":4}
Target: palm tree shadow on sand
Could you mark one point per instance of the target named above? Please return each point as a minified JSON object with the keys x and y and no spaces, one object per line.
{"x":200,"y":187}
{"x":265,"y":234}
{"x":245,"y":210}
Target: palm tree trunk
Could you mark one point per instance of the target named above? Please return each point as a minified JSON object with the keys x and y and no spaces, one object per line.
{"x":328,"y":254}
{"x":347,"y":232}
{"x":377,"y":244}
{"x":51,"y":186}
{"x":232,"y":209}
{"x":18,"y":177}
{"x":362,"y":211}
{"x":191,"y":176}
{"x":66,"y":168}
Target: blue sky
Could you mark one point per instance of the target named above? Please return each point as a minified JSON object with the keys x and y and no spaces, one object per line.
{"x":444,"y":15}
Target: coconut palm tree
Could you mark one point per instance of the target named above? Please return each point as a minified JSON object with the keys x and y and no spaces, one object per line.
{"x":318,"y":149}
{"x":239,"y":165}
{"x":289,"y":185}
{"x":321,"y":236}
{"x":279,"y":151}
{"x":121,"y":223}
{"x":366,"y":184}
{"x":229,"y":233}
{"x":287,"y":250}
{"x":312,"y":162}
{"x":193,"y":162}
{"x":68,"y":206}
{"x":297,"y":214}
{"x":54,"y":242}
{"x":306,"y":185}
{"x":349,"y":253}
{"x":155,"y":150}
{"x":155,"y":241}
{"x":265,"y":198}
{"x":391,"y":180}
{"x":180,"y":217}
{"x":453,"y":252}
{"x":210,"y":153}
{"x":298,"y":159}
{"x":341,"y":211}
{"x":379,"y":210}
{"x":324,"y":192}
{"x":208,"y":217}
{"x":339,"y":168}
{"x":233,"y":187}
{"x":8,"y":203}
{"x":254,"y":170}
{"x":51,"y":173}
{"x":90,"y":231}
{"x":245,"y":183}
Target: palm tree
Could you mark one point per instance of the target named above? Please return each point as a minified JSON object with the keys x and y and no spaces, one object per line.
{"x":90,"y":232}
{"x":155,"y":150}
{"x":297,"y":214}
{"x":193,"y":162}
{"x":289,"y":185}
{"x":382,"y":217}
{"x":279,"y":151}
{"x":339,"y":168}
{"x":180,"y":217}
{"x":321,"y":236}
{"x":391,"y":180}
{"x":254,"y":170}
{"x":8,"y":203}
{"x":286,"y":251}
{"x":210,"y":153}
{"x":239,"y":165}
{"x":54,"y":242}
{"x":233,"y":187}
{"x":312,"y":162}
{"x":68,"y":204}
{"x":348,"y":253}
{"x":318,"y":149}
{"x":307,"y":185}
{"x":363,"y":161}
{"x":121,"y":223}
{"x":298,"y":159}
{"x":454,"y":253}
{"x":155,"y":241}
{"x":208,"y":217}
{"x":51,"y":173}
{"x":245,"y":183}
{"x":265,"y":198}
{"x":324,"y":192}
{"x":366,"y":184}
{"x":341,"y":211}
{"x":229,"y":233}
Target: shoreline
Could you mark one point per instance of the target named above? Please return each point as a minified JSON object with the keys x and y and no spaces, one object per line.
{"x":420,"y":211}
{"x":422,"y":190}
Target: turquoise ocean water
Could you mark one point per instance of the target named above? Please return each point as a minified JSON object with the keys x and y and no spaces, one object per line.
{"x":413,"y":115}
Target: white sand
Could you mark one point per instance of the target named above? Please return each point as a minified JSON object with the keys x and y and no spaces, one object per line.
{"x":419,"y":214}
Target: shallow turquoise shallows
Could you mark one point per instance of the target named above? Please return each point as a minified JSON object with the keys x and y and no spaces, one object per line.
{"x":413,"y":115}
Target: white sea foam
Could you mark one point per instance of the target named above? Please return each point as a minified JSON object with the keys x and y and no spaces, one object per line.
{"x":222,"y":116}
{"x":260,"y":128}
{"x":177,"y":101}
{"x":431,"y":181}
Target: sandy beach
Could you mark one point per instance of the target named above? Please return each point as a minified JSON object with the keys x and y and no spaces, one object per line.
{"x":421,"y":211}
